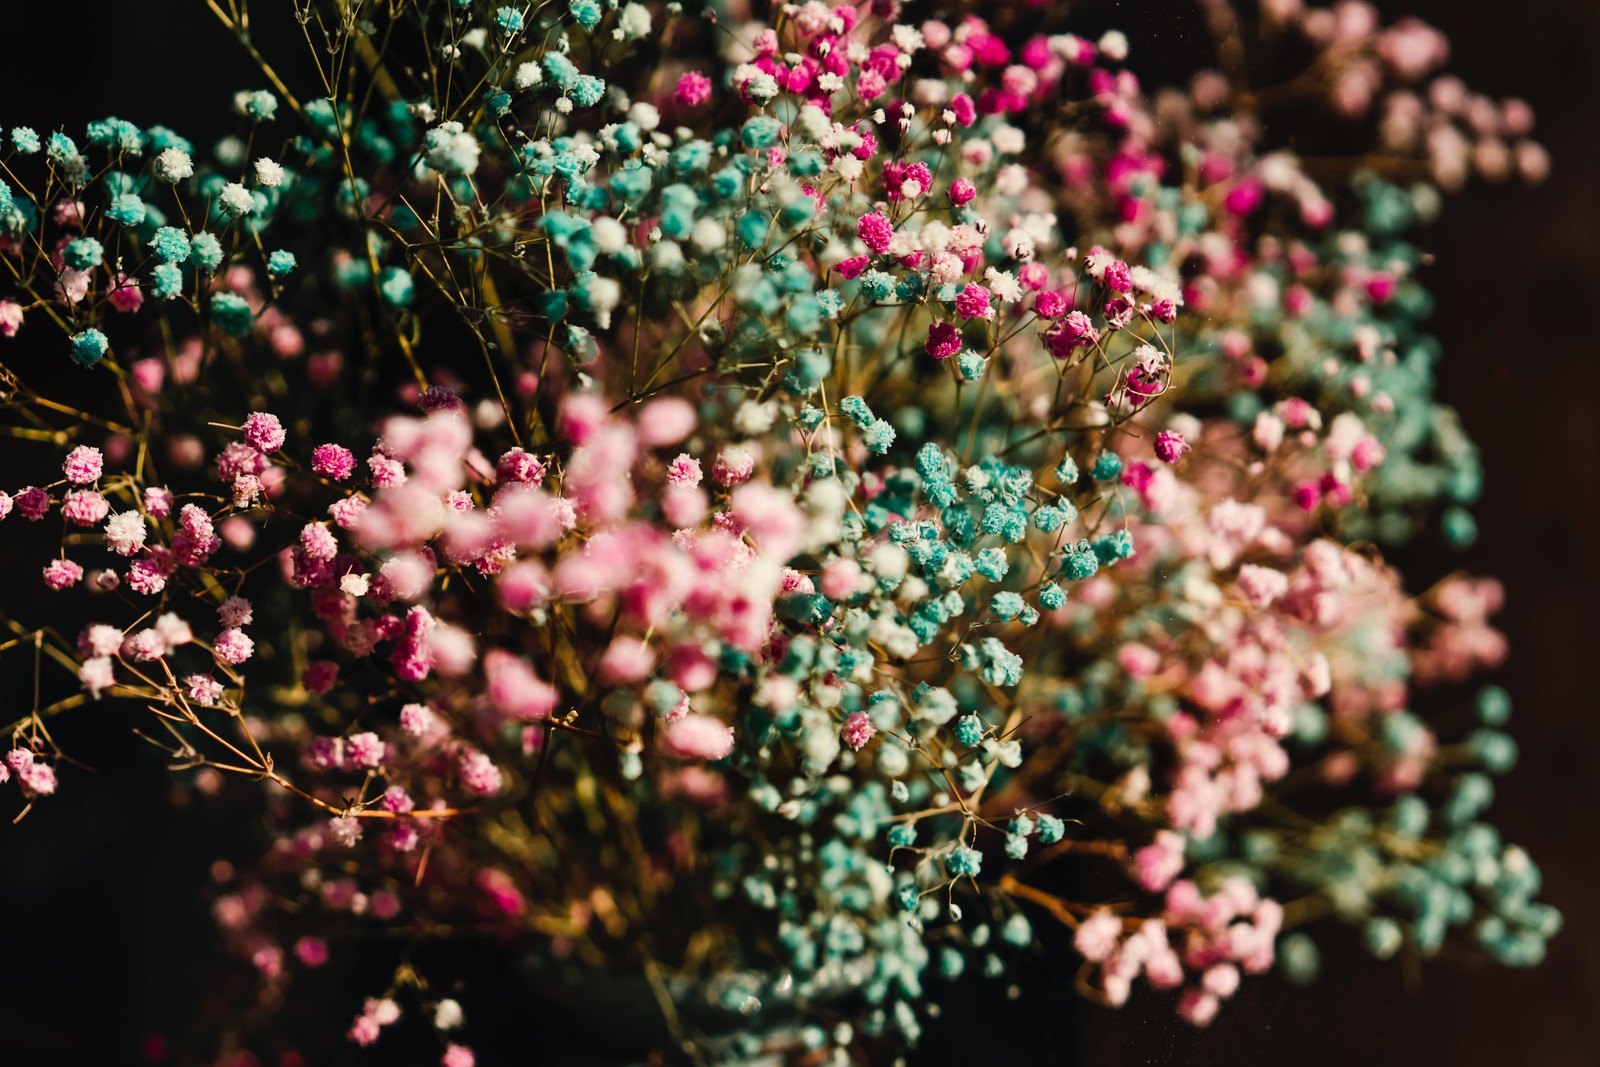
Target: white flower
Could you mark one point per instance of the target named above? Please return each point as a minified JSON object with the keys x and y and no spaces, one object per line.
{"x":667,"y":256}
{"x":236,"y":200}
{"x":448,"y":1015}
{"x":604,"y":295}
{"x":1012,"y":180}
{"x":174,"y":165}
{"x":173,"y":630}
{"x":906,"y":38}
{"x":609,"y":235}
{"x":1114,"y":46}
{"x":527,"y":76}
{"x":1003,"y":284}
{"x":1008,"y":139}
{"x":634,"y":21}
{"x":708,"y":235}
{"x":753,"y":419}
{"x":268,"y":174}
{"x":125,"y":532}
{"x":761,"y":88}
{"x":1148,"y":281}
{"x":645,"y":116}
{"x":812,"y":122}
{"x":355,"y":584}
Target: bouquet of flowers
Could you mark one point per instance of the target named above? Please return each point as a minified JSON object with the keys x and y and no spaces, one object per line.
{"x":776,"y":506}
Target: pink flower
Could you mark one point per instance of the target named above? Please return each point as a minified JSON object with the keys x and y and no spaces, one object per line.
{"x":665,"y":421}
{"x":626,"y":660}
{"x":346,"y":513}
{"x":100,"y":640}
{"x":345,"y":832}
{"x":685,"y":470}
{"x":10,"y":318}
{"x":734,"y":465}
{"x":83,"y":465}
{"x":962,"y":191}
{"x":962,"y":107}
{"x":33,"y":502}
{"x":318,"y":541}
{"x":519,"y":466}
{"x":944,"y":340}
{"x":84,"y":507}
{"x":203,"y":689}
{"x":320,"y":676}
{"x":417,"y":719}
{"x":514,"y":689}
{"x":364,"y":750}
{"x":333,"y":461}
{"x":264,"y":432}
{"x":36,"y":779}
{"x":876,"y":232}
{"x":1073,"y":331}
{"x":693,"y":89}
{"x":1244,"y":197}
{"x":1161,"y":861}
{"x":458,"y":1056}
{"x":312,"y":951}
{"x":236,"y":611}
{"x":858,"y":730}
{"x":437,"y":398}
{"x":1221,"y":980}
{"x":1118,"y":276}
{"x":387,"y":472}
{"x":1262,"y":585}
{"x":973,"y":303}
{"x":97,"y":675}
{"x":1367,"y":454}
{"x":840,"y":579}
{"x":771,"y":518}
{"x":144,"y":647}
{"x":125,"y":294}
{"x":479,"y":774}
{"x":852,"y":267}
{"x":60,"y":574}
{"x":158,"y":501}
{"x":696,"y":736}
{"x":1139,"y":660}
{"x":1098,"y":935}
{"x":233,"y":647}
{"x":1050,"y":305}
{"x":72,"y":286}
{"x":147,"y":576}
{"x":364,"y":1031}
{"x":1198,"y":1008}
{"x":1170,"y":446}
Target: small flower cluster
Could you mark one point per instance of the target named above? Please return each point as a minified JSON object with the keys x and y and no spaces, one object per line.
{"x":814,"y":480}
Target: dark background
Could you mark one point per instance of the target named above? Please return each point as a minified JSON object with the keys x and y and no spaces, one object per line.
{"x":105,"y":937}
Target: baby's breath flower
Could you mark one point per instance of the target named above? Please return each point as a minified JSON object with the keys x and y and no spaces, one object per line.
{"x":173,"y":165}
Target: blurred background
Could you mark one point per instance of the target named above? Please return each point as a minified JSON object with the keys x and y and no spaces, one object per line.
{"x":109,"y":954}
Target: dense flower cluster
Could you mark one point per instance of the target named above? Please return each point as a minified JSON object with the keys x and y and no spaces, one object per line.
{"x":831,"y":477}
